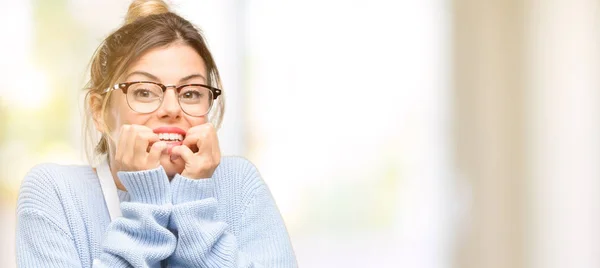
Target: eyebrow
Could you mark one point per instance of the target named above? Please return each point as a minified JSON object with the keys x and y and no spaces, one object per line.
{"x":192,"y":76}
{"x":153,"y":77}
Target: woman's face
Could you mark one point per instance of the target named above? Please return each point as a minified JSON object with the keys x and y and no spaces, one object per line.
{"x":176,"y":64}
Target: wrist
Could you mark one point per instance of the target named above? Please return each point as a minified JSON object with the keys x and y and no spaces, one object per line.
{"x":202,"y":175}
{"x":147,"y":186}
{"x":186,"y":190}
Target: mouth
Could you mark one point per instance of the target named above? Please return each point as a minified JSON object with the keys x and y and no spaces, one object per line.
{"x":173,"y":136}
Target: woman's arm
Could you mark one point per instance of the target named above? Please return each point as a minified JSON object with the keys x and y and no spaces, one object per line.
{"x":138,"y":239}
{"x":43,"y":242}
{"x":205,"y":242}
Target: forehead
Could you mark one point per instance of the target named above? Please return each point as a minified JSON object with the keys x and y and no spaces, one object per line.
{"x":169,"y":64}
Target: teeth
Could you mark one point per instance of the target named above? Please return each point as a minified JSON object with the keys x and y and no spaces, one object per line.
{"x":170,"y":137}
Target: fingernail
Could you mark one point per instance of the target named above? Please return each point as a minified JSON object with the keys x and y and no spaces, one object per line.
{"x":174,"y":157}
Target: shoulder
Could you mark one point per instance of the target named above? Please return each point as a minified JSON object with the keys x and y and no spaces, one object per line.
{"x":54,"y":175}
{"x":40,"y":179}
{"x":238,"y":167}
{"x":240,"y":173}
{"x":46,"y":184}
{"x":237,"y":164}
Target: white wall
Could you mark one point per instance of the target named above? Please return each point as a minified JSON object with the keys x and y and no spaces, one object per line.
{"x":565,"y":133}
{"x":349,"y":124}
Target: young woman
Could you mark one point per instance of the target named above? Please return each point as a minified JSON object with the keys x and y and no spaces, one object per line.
{"x":162,"y":195}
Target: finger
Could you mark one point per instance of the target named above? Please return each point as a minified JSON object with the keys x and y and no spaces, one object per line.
{"x":142,"y":141}
{"x":194,"y":133}
{"x":210,"y":142}
{"x":216,"y":149}
{"x":197,"y":136}
{"x":198,"y":147}
{"x":206,"y":143}
{"x":146,"y":133}
{"x":184,"y":152}
{"x":191,"y":141}
{"x":155,"y":152}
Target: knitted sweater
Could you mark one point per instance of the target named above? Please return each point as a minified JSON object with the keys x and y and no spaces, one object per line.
{"x":229,"y":220}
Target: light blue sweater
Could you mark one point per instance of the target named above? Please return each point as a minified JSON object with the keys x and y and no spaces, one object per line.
{"x":229,"y":220}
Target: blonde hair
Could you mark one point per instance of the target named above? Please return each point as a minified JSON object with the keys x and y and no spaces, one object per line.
{"x":148,"y":24}
{"x":141,"y":8}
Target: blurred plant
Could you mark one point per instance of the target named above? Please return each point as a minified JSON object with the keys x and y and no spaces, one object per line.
{"x":58,"y":53}
{"x":60,"y":56}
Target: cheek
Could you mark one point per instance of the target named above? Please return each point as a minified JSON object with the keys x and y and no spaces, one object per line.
{"x":195,"y":121}
{"x":124,"y":115}
{"x":120,"y":114}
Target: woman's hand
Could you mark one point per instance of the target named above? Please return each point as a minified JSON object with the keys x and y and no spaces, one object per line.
{"x":132,"y":153}
{"x":200,"y":152}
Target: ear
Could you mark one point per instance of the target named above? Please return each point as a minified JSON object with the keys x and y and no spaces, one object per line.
{"x":95,"y":104}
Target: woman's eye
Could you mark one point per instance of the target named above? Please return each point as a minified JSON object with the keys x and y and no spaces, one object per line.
{"x":192,"y":95}
{"x":143,"y":93}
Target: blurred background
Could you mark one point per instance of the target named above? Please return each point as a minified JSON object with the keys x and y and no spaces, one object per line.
{"x":432,"y":133}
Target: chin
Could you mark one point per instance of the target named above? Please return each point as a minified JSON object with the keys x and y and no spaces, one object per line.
{"x":170,"y":167}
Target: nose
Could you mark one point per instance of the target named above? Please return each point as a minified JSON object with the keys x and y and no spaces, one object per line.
{"x":169,"y":107}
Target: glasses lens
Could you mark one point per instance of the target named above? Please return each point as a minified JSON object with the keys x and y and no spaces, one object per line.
{"x":144,"y":97}
{"x":195,"y":100}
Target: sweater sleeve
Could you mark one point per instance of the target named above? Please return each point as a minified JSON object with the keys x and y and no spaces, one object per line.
{"x":41,"y":242}
{"x":138,"y":239}
{"x":204,"y":241}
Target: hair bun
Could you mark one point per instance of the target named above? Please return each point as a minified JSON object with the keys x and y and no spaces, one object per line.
{"x":142,"y":8}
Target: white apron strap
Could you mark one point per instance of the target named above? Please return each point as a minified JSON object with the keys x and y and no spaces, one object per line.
{"x":109,"y":189}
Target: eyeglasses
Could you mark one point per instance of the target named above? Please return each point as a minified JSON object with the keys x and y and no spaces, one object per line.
{"x":146,"y":97}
